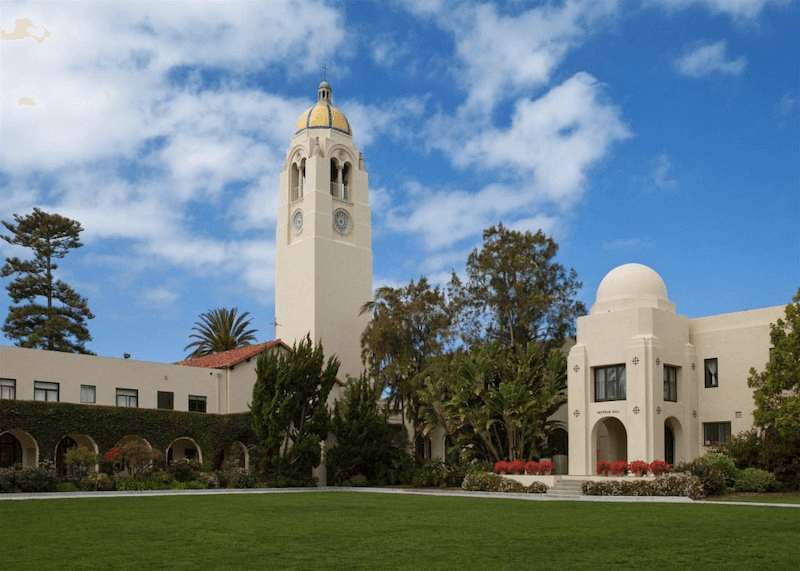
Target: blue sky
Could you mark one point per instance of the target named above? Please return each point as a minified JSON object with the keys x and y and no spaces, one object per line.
{"x":663,"y":132}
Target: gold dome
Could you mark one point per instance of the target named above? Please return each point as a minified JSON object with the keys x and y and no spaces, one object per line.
{"x":323,"y":115}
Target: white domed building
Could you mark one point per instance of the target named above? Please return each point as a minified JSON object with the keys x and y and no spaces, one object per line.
{"x":645,"y":383}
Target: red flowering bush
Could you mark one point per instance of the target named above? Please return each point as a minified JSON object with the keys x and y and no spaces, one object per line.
{"x":602,"y":468}
{"x":619,"y":468}
{"x":639,"y":468}
{"x":532,"y":467}
{"x":501,"y":467}
{"x":516,"y":467}
{"x":546,"y":467}
{"x":113,"y":456}
{"x":659,"y":467}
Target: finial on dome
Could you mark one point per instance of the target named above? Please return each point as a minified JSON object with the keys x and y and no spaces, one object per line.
{"x":324,"y":89}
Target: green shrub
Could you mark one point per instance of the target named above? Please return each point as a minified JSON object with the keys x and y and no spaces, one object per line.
{"x":208,"y":479}
{"x":240,"y":478}
{"x":161,"y":480}
{"x":430,"y":474}
{"x":97,"y":481}
{"x":32,"y":480}
{"x":67,"y":487}
{"x":755,"y":480}
{"x":357,"y":481}
{"x":125,"y":483}
{"x":184,"y":469}
{"x":8,"y":478}
{"x":716,"y":471}
{"x":190,"y":485}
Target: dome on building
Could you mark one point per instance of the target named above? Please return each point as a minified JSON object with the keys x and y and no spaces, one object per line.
{"x":323,"y":115}
{"x":631,"y":285}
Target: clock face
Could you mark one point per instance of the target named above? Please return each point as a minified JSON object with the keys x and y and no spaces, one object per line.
{"x":297,"y":221}
{"x":341,"y":221}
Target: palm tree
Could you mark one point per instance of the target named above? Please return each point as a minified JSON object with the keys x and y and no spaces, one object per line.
{"x":220,"y":330}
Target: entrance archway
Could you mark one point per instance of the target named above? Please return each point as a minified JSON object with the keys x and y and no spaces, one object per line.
{"x":184,"y":448}
{"x":673,"y":441}
{"x":74,"y":441}
{"x":18,"y":447}
{"x":558,"y":442}
{"x":10,"y":450}
{"x":610,"y":441}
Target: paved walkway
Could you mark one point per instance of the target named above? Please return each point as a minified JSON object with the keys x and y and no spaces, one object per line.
{"x":420,"y":492}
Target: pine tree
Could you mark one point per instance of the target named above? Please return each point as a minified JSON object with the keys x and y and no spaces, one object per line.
{"x":54,"y":315}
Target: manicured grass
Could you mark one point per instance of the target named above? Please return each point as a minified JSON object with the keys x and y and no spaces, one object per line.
{"x":329,"y":530}
{"x":760,"y":498}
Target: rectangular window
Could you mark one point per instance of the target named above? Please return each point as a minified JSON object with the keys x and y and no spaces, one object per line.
{"x":8,"y":389}
{"x":165,"y":400}
{"x":715,"y":433}
{"x":128,"y":397}
{"x":670,"y":383}
{"x":47,"y":392}
{"x":609,"y":383}
{"x":712,"y":373}
{"x":197,"y":403}
{"x":88,"y":394}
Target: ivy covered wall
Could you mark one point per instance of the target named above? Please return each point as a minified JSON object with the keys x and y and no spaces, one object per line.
{"x":49,"y":422}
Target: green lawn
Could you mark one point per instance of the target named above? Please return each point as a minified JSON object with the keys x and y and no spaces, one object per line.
{"x":376,"y":531}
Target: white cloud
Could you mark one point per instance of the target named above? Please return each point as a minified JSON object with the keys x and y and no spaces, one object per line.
{"x":104,"y":92}
{"x":550,"y":144}
{"x":706,"y":59}
{"x":662,"y":179}
{"x":504,"y":55}
{"x":737,"y":9}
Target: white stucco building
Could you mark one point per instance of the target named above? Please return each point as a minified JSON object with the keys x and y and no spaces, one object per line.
{"x":646,"y":383}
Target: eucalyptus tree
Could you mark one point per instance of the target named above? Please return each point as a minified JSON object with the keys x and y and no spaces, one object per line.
{"x":409,"y":326}
{"x":220,"y":330}
{"x":514,"y":292}
{"x":53,"y":315}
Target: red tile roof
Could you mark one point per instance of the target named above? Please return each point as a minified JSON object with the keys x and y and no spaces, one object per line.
{"x":228,"y":359}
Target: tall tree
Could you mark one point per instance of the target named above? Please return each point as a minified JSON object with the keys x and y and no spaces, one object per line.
{"x":54,"y":317}
{"x":777,"y":397}
{"x":494,"y":402}
{"x":366,"y":444}
{"x":515,"y":292}
{"x":409,"y":325}
{"x":220,"y":330}
{"x":290,"y":411}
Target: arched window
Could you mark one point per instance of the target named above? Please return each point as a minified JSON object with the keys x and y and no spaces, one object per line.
{"x":346,"y":174}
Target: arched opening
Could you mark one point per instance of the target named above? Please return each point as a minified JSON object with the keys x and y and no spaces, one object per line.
{"x":10,"y":450}
{"x":235,"y":455}
{"x":422,"y":448}
{"x":18,"y":447}
{"x":75,"y":441}
{"x":137,"y":455}
{"x":297,"y":180}
{"x":610,"y":441}
{"x":184,"y":449}
{"x":673,"y":441}
{"x":346,"y":174}
{"x":558,"y":442}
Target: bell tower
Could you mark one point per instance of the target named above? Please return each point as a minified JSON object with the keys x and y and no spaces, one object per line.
{"x":323,"y":246}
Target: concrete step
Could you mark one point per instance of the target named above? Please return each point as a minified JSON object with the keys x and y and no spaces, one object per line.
{"x":566,"y":488}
